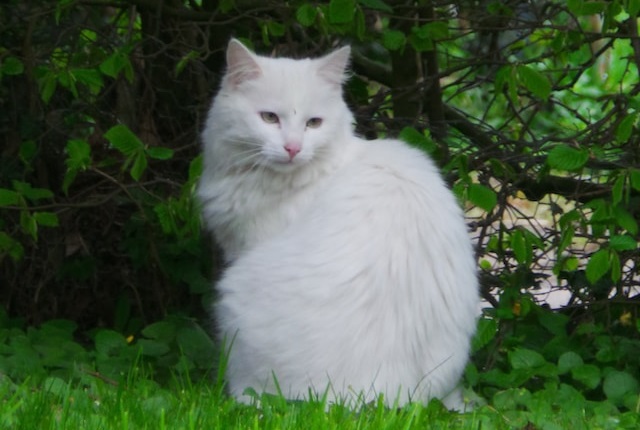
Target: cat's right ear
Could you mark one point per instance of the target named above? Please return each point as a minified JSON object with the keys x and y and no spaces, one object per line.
{"x":241,"y":64}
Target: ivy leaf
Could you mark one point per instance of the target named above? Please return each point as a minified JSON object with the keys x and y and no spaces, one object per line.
{"x":342,"y":11}
{"x":522,"y":358}
{"x":564,"y":157}
{"x":124,"y":140}
{"x":617,"y":384}
{"x":587,"y":374}
{"x":568,"y":361}
{"x":162,"y":331}
{"x":534,"y":81}
{"x":483,"y":197}
{"x":598,"y":265}
{"x":109,"y":342}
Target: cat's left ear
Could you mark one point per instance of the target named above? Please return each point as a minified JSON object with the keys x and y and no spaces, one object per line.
{"x":241,"y":64}
{"x":333,"y":66}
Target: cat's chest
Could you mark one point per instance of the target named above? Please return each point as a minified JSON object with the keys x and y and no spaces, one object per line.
{"x":248,"y":210}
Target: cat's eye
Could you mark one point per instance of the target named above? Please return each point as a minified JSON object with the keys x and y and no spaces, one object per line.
{"x":314,"y":122}
{"x":269,"y":117}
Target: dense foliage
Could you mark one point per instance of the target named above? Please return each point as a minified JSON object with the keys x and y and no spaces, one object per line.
{"x":530,"y":107}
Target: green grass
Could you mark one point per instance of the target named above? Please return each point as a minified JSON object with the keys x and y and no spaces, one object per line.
{"x":139,"y":402}
{"x":142,"y":403}
{"x":161,"y":378}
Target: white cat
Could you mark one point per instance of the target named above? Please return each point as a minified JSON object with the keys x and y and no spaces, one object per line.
{"x":350,"y":269}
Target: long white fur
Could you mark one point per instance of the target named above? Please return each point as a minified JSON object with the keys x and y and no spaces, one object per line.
{"x":350,"y":268}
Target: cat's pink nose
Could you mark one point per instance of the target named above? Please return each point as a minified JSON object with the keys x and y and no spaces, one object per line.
{"x":292,"y":149}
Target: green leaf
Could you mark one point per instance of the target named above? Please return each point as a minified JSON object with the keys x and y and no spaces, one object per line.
{"x":195,"y":168}
{"x":617,"y":190}
{"x":554,"y":322}
{"x":195,"y":343}
{"x":598,"y":265}
{"x":28,"y":224}
{"x":393,"y":40}
{"x":306,"y":14}
{"x":46,"y":219}
{"x":437,"y":30}
{"x":89,"y":77}
{"x":276,"y":28}
{"x":634,"y":178}
{"x":342,"y":11}
{"x":163,"y":212}
{"x":564,"y":157}
{"x":11,"y":246}
{"x":522,"y":358}
{"x":160,"y":153}
{"x":487,"y":329}
{"x":587,"y":374}
{"x":163,"y":331}
{"x":124,"y":140}
{"x":28,"y":150}
{"x":483,"y":197}
{"x":616,"y":268}
{"x":11,"y":66}
{"x":619,"y":383}
{"x":48,"y":86}
{"x":79,"y":154}
{"x":625,"y":128}
{"x":26,"y":190}
{"x":417,"y":139}
{"x":116,"y":63}
{"x":109,"y":342}
{"x":153,"y":348}
{"x":568,"y":361}
{"x":376,"y":5}
{"x":534,"y":81}
{"x":625,"y":220}
{"x":519,"y":246}
{"x":184,"y":61}
{"x":623,"y":243}
{"x":139,"y":166}
{"x":9,"y":198}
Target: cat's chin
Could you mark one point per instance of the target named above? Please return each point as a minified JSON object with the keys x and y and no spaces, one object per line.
{"x":286,"y":166}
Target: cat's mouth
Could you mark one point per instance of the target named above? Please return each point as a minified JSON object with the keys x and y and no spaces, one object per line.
{"x":286,"y":165}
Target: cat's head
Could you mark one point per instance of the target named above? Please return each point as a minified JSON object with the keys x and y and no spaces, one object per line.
{"x":280,"y":113}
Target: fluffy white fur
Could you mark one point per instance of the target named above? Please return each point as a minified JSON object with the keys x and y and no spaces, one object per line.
{"x":350,"y":268}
